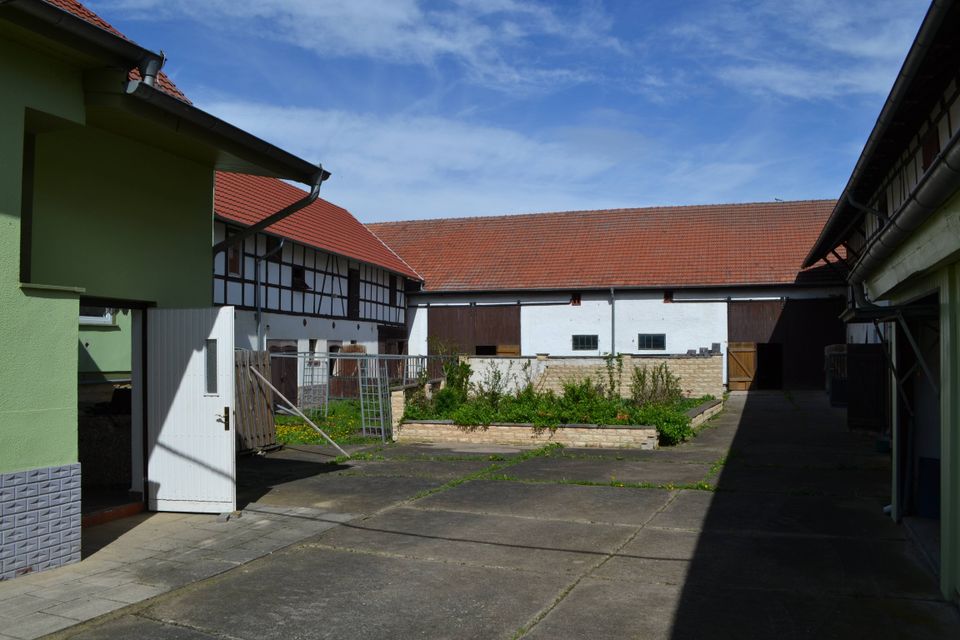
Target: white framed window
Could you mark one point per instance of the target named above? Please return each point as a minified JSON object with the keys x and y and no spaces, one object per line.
{"x":96,"y":315}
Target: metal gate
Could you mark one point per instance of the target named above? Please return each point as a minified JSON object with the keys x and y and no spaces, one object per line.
{"x":375,"y":418}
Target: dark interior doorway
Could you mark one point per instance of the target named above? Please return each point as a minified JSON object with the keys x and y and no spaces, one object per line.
{"x":919,"y":425}
{"x":105,"y":411}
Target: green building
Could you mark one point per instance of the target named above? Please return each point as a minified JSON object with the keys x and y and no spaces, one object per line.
{"x":897,"y":229}
{"x":106,"y":201}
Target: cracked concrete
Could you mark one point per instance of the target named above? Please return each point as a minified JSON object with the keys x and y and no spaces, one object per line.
{"x":791,"y":544}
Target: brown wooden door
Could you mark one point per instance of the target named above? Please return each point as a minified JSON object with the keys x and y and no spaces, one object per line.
{"x":741,"y":365}
{"x":283,"y":370}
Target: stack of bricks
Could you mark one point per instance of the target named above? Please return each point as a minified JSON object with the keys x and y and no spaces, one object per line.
{"x":607,"y":437}
{"x":39,"y":519}
{"x":699,"y":375}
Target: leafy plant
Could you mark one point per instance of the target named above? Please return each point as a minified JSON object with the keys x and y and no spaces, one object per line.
{"x":614,"y":372}
{"x":655,"y":385}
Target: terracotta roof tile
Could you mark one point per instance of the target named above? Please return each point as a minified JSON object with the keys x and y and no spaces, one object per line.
{"x":76,"y":8}
{"x":711,"y":245}
{"x":247,"y":199}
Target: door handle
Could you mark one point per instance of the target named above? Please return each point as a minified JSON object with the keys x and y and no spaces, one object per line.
{"x":225,"y":418}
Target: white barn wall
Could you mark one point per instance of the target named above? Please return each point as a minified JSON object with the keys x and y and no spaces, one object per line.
{"x":417,"y":331}
{"x":277,"y":326}
{"x":696,"y":318}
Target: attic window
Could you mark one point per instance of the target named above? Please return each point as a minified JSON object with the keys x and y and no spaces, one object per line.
{"x":273,"y":244}
{"x":586,"y":343}
{"x":575,"y":299}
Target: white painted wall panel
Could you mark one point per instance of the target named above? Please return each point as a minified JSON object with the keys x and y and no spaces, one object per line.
{"x":279,"y":326}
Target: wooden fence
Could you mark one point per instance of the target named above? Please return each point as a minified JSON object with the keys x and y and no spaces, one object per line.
{"x":253,"y":412}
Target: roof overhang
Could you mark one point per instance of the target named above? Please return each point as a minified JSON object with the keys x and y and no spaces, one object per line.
{"x":139,"y":108}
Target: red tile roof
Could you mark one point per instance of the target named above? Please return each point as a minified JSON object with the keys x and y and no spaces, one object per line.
{"x":77,"y":9}
{"x":247,"y":199}
{"x":713,"y":245}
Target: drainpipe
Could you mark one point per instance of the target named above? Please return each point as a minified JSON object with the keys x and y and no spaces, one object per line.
{"x":273,"y":218}
{"x":261,"y":342}
{"x":613,"y":322}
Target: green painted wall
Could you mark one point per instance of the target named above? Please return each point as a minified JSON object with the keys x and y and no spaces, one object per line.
{"x":38,"y":383}
{"x":112,"y":215}
{"x":122,"y":219}
{"x":926,"y":264}
{"x":104,"y":350}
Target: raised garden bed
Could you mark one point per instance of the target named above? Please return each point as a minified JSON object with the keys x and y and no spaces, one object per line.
{"x":570,"y":435}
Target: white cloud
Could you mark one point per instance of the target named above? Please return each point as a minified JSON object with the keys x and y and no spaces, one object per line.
{"x":806,"y":49}
{"x":493,"y":40}
{"x":405,"y":166}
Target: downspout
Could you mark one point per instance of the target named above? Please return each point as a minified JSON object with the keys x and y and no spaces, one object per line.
{"x":274,"y":218}
{"x":261,"y":346}
{"x":613,"y":321}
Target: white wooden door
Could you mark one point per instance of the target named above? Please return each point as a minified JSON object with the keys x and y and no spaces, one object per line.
{"x":191,"y":464}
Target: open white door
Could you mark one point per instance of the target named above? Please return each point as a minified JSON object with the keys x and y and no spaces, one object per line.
{"x":191,"y":464}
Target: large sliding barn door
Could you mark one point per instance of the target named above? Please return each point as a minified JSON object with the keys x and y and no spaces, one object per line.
{"x":190,"y":438}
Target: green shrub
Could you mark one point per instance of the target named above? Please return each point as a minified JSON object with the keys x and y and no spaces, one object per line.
{"x":656,"y":385}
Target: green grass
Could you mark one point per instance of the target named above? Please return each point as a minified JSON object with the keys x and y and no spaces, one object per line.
{"x":342,"y":424}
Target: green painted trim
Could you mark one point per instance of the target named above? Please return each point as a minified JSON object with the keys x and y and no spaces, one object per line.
{"x":34,"y":286}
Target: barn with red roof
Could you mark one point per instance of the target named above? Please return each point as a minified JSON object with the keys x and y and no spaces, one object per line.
{"x":658,"y":280}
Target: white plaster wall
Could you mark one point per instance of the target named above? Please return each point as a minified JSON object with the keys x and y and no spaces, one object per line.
{"x":549,"y":329}
{"x":417,"y":330}
{"x":287,"y":327}
{"x":687,"y":325}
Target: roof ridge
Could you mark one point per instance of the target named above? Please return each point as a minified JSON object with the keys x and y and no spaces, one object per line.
{"x":601,"y":211}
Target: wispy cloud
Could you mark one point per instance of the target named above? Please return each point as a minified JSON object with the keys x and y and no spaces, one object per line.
{"x":497,"y":43}
{"x":808,"y":49}
{"x":405,"y":166}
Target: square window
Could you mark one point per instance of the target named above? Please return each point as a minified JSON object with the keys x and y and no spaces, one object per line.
{"x":586,"y":343}
{"x":652,"y":341}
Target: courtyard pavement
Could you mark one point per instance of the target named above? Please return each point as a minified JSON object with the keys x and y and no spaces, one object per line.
{"x":768,"y":525}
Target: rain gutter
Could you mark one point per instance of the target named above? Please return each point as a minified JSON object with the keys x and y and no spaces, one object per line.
{"x":891,"y":108}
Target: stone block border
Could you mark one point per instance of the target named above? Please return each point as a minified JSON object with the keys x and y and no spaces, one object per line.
{"x":523,"y":434}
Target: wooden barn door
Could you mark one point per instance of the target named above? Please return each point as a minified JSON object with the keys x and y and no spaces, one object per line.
{"x":741,"y":365}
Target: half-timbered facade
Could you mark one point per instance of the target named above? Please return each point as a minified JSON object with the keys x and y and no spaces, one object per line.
{"x":312,"y":282}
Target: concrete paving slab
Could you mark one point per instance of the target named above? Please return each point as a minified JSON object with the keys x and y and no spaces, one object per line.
{"x":347,"y":494}
{"x":812,"y":565}
{"x":439,"y":469}
{"x":605,"y":610}
{"x":450,"y":450}
{"x":824,"y":481}
{"x":353,"y":595}
{"x":84,"y":608}
{"x":139,"y":627}
{"x":680,"y":454}
{"x":599,"y":470}
{"x":547,"y":546}
{"x":609,"y":505}
{"x":817,"y":515}
{"x":601,"y":609}
{"x":38,"y":624}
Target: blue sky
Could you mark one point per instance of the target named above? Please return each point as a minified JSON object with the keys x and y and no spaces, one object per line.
{"x":479,"y":107}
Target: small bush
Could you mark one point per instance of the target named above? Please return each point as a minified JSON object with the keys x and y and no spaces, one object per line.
{"x":656,"y":386}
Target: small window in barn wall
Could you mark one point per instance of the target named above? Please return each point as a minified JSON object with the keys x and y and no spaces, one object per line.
{"x":486,"y":350}
{"x":586,"y":343}
{"x":652,"y":341}
{"x":298,"y":279}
